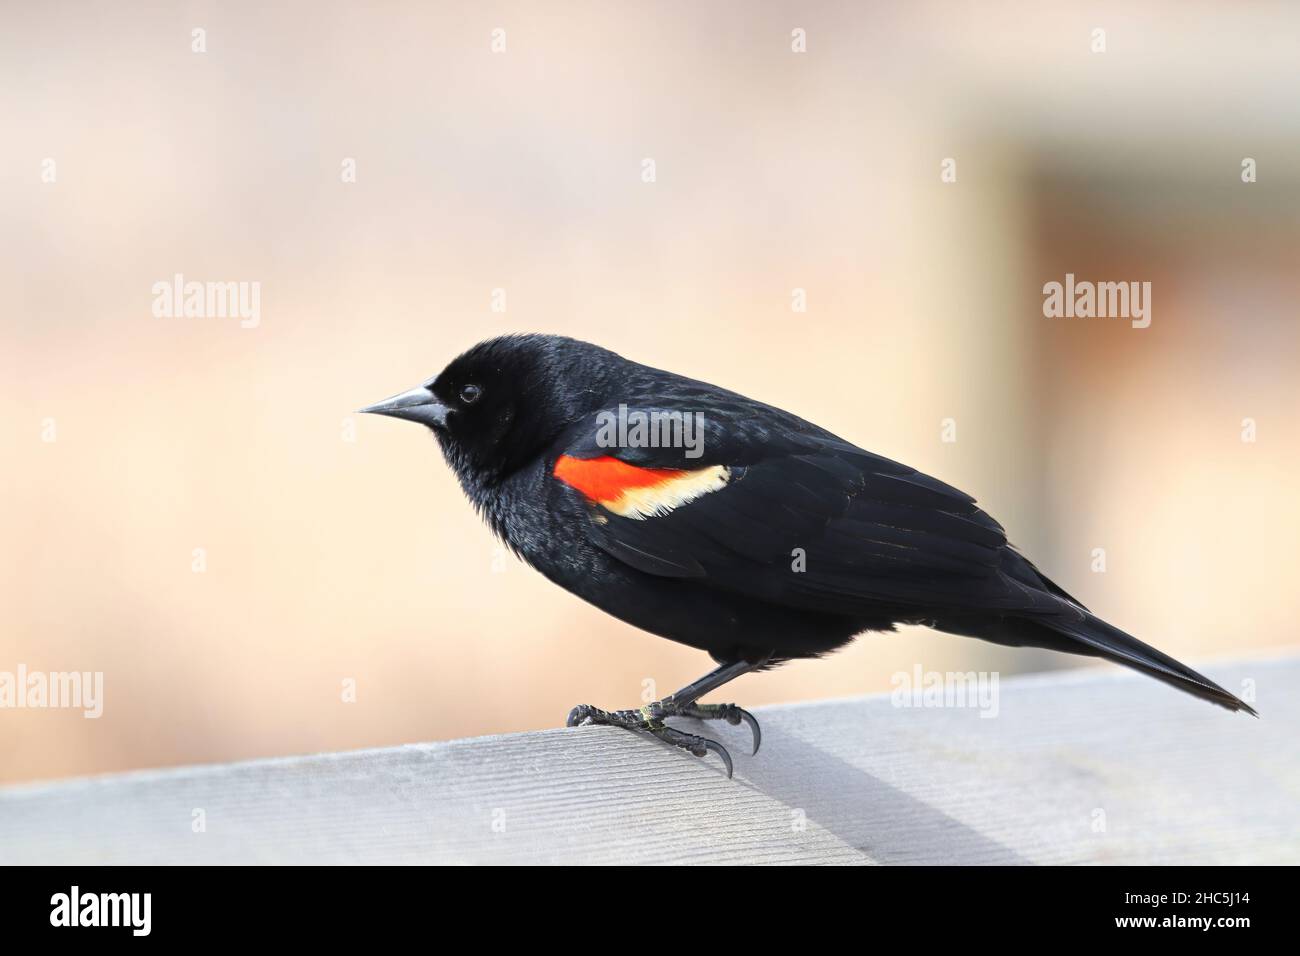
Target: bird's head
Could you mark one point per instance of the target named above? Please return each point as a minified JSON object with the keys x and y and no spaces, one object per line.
{"x":499,"y":404}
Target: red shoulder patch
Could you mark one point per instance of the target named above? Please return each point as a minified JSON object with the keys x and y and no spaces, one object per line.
{"x":605,"y":479}
{"x":637,"y":492}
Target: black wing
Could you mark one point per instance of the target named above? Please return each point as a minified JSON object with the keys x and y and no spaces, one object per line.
{"x":806,"y":519}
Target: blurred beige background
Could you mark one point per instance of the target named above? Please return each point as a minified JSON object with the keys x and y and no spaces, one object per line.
{"x":330,"y":559}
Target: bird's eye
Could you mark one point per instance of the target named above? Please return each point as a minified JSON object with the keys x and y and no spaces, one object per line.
{"x":470,"y":394}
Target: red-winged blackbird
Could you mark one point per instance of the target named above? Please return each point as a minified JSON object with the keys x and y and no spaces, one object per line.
{"x":717,"y":521}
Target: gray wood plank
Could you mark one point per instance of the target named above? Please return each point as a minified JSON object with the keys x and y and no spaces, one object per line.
{"x":1088,"y":767}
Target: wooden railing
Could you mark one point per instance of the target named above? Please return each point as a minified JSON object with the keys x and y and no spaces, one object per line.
{"x":1093,"y":766}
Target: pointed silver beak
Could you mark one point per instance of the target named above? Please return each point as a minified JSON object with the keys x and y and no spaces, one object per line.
{"x":417,"y":405}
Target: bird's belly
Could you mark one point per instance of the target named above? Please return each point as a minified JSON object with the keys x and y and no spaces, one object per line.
{"x":697,"y":613}
{"x":728,"y":626}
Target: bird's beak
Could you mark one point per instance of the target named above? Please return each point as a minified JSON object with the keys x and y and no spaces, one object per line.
{"x":417,"y":405}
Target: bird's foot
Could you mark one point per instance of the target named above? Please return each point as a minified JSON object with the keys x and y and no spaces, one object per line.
{"x":729,"y":712}
{"x":649,"y":720}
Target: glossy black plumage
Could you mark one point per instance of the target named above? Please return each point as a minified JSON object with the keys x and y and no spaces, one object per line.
{"x":881,"y":542}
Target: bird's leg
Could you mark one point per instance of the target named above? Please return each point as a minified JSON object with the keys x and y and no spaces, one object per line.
{"x":650,"y":718}
{"x":684,"y":703}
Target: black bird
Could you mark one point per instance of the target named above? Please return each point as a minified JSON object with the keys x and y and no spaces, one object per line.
{"x":719,"y":522}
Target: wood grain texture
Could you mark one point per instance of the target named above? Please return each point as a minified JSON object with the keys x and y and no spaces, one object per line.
{"x":1090,"y":767}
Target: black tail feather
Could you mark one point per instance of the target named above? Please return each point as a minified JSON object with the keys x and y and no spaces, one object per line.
{"x":1076,"y":631}
{"x":1097,"y":638}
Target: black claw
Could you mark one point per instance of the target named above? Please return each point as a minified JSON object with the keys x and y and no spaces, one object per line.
{"x":720,"y":750}
{"x":749,"y":718}
{"x":730,"y":713}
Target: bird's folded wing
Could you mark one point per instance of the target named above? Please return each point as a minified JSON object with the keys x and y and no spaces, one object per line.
{"x":799,"y":519}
